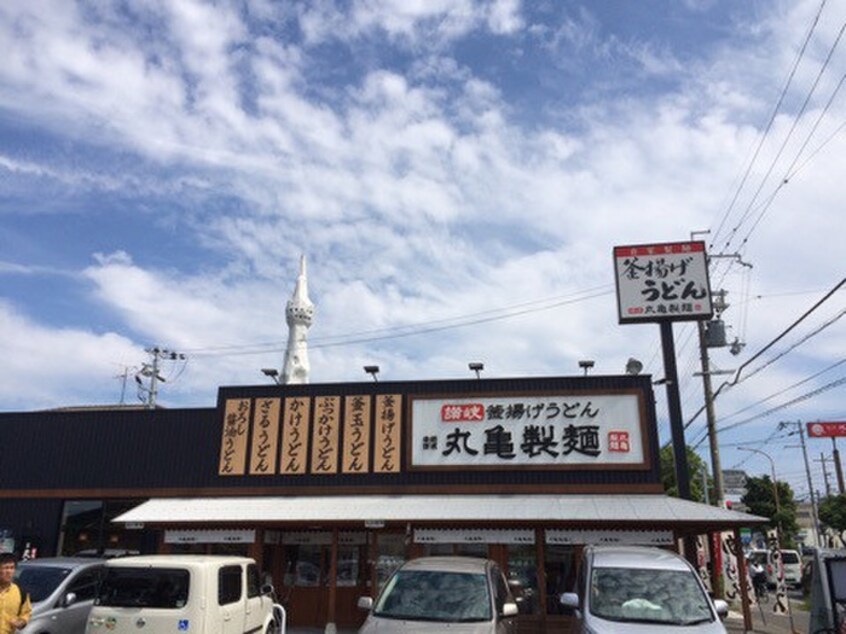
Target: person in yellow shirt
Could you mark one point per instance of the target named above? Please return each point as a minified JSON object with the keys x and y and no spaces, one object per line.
{"x":15,"y":607}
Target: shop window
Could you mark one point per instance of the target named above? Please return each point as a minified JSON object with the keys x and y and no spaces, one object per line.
{"x":560,"y":564}
{"x":304,"y":565}
{"x":391,"y":555}
{"x":436,"y":550}
{"x":228,"y":585}
{"x":253,"y":582}
{"x":235,"y":550}
{"x":348,"y":565}
{"x":523,"y":576}
{"x":471,"y":550}
{"x":87,"y":529}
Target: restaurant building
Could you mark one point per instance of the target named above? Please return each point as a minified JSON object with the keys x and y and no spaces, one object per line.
{"x":331,"y":486}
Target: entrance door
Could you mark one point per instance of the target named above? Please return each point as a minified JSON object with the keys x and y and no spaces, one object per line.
{"x":305,"y":587}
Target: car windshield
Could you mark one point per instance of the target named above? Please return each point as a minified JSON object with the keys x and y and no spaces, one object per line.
{"x":648,"y":595}
{"x":164,"y":588}
{"x":789,"y":557}
{"x":40,"y":581}
{"x":424,"y":595}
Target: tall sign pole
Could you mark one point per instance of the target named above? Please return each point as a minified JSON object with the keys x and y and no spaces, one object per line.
{"x":674,"y":407}
{"x":664,"y":283}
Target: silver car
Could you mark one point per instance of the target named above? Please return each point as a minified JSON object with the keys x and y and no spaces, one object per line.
{"x":61,"y":590}
{"x":641,"y":590}
{"x":430,"y":594}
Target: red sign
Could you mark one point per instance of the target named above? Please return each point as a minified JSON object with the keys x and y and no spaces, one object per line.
{"x":827,"y":430}
{"x":462,"y":412}
{"x":618,"y":441}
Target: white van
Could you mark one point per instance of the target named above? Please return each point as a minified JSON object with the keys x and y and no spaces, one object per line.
{"x":198,"y":594}
{"x":790,"y":560}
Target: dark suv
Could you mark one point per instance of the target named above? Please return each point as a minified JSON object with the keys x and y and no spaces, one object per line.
{"x":62,"y":590}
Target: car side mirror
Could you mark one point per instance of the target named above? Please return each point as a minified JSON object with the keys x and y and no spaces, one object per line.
{"x":510,"y":609}
{"x":267,"y":589}
{"x":569,"y":600}
{"x":721,"y":607}
{"x":365,"y":603}
{"x":69,"y":599}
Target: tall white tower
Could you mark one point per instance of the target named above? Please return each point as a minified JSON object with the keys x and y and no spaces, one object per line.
{"x":299,"y":313}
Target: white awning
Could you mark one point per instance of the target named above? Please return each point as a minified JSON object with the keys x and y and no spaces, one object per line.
{"x":643,"y":508}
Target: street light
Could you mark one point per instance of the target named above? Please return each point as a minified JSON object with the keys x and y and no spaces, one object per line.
{"x":273,"y":373}
{"x":477,"y":367}
{"x":777,"y":527}
{"x":775,"y":486}
{"x":633,"y":366}
{"x":372,"y":370}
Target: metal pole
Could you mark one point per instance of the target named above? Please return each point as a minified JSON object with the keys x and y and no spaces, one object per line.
{"x":151,"y":395}
{"x":675,"y":411}
{"x":779,"y":586}
{"x":837,"y":466}
{"x":677,"y":427}
{"x":704,"y":473}
{"x":814,"y":508}
{"x":711,"y":418}
{"x":825,"y":474}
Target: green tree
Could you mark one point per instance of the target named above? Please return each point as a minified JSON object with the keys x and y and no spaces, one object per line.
{"x":760,"y":501}
{"x":695,"y":467}
{"x":833,"y":512}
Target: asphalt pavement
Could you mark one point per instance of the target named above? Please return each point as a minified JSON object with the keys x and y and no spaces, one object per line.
{"x":769,"y":623}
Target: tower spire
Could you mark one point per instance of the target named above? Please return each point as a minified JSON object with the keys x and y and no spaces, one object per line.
{"x":299,"y":313}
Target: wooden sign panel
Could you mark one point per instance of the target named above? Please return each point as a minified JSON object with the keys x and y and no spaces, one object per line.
{"x":233,"y":446}
{"x":265,"y":439}
{"x":295,"y":436}
{"x":324,"y":442}
{"x":386,"y":458}
{"x":357,"y":423}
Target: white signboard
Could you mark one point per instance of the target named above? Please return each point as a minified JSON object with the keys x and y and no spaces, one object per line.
{"x":210,"y":536}
{"x":596,"y":537}
{"x":662,"y":282}
{"x":474,"y":536}
{"x":532,"y":431}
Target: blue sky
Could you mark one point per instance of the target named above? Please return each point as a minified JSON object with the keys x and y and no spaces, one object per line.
{"x":456,"y":171}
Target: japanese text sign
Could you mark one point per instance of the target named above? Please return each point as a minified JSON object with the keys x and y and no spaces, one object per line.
{"x":534,"y":431}
{"x":265,"y":436}
{"x":233,"y":446}
{"x":662,"y":282}
{"x":827,"y":430}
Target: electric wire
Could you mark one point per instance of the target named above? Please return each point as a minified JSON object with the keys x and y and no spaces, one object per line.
{"x":353,"y":340}
{"x":769,"y":125}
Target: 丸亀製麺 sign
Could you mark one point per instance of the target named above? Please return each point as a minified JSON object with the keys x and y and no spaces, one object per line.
{"x":662,"y":282}
{"x":539,"y":430}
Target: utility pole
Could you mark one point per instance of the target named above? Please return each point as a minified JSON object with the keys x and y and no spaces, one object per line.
{"x":719,"y":341}
{"x":716,"y":467}
{"x":150,"y":371}
{"x":838,"y":468}
{"x":814,"y":509}
{"x":822,"y":460}
{"x":123,"y":376}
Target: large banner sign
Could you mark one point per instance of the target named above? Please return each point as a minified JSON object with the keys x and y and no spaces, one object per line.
{"x":533,"y":431}
{"x":662,"y":282}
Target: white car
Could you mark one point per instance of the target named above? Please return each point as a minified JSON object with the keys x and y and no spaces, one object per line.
{"x":461,"y":595}
{"x":640,"y":590}
{"x":199,"y":594}
{"x":790,"y":560}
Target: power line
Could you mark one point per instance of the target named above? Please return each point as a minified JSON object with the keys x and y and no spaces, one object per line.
{"x":776,"y":109}
{"x":403,"y":331}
